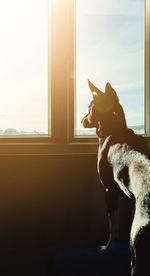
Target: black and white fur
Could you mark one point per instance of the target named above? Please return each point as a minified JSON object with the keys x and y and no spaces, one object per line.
{"x":123,"y":163}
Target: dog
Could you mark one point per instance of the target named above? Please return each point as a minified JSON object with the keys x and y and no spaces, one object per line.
{"x":123,"y":165}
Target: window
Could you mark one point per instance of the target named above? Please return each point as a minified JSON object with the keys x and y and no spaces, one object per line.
{"x":24,"y":68}
{"x":59,"y":55}
{"x":110,"y":47}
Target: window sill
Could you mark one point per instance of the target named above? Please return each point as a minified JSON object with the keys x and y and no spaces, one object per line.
{"x":45,"y":146}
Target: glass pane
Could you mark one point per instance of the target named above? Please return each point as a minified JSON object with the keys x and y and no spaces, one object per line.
{"x":24,"y":67}
{"x":110,"y":48}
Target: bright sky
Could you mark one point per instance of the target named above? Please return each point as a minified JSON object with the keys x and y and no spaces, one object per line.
{"x":110,"y":47}
{"x":24,"y":65}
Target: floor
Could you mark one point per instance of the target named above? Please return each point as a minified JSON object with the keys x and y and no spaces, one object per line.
{"x":82,"y":261}
{"x":91,"y":261}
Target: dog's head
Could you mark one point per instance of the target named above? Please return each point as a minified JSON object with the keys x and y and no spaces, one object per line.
{"x":105,"y":112}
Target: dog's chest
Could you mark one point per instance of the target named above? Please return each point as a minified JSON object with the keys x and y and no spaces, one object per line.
{"x":120,"y":164}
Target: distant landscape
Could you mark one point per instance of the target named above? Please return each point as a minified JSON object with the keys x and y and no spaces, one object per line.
{"x":139,"y":129}
{"x":14,"y":132}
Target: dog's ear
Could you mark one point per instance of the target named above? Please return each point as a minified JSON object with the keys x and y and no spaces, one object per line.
{"x":111,"y":92}
{"x":117,"y":106}
{"x":95,"y":91}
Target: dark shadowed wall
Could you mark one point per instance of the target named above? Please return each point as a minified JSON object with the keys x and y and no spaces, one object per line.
{"x":52,"y":202}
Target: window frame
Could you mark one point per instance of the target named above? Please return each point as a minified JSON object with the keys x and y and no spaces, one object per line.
{"x":147,"y":68}
{"x":62,"y":87}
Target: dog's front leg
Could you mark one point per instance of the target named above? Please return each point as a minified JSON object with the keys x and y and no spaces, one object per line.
{"x":113,"y":221}
{"x":111,"y":198}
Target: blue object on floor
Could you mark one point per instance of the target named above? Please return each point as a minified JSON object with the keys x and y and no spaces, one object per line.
{"x":91,"y":261}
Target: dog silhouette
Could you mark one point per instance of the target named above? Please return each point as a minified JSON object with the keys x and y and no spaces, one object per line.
{"x":123,"y":164}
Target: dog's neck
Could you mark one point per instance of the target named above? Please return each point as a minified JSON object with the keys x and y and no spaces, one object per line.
{"x":125,"y":135}
{"x":119,"y":135}
{"x":103,"y":132}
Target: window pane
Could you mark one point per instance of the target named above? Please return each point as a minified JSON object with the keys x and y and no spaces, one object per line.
{"x":24,"y":67}
{"x":110,"y":48}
